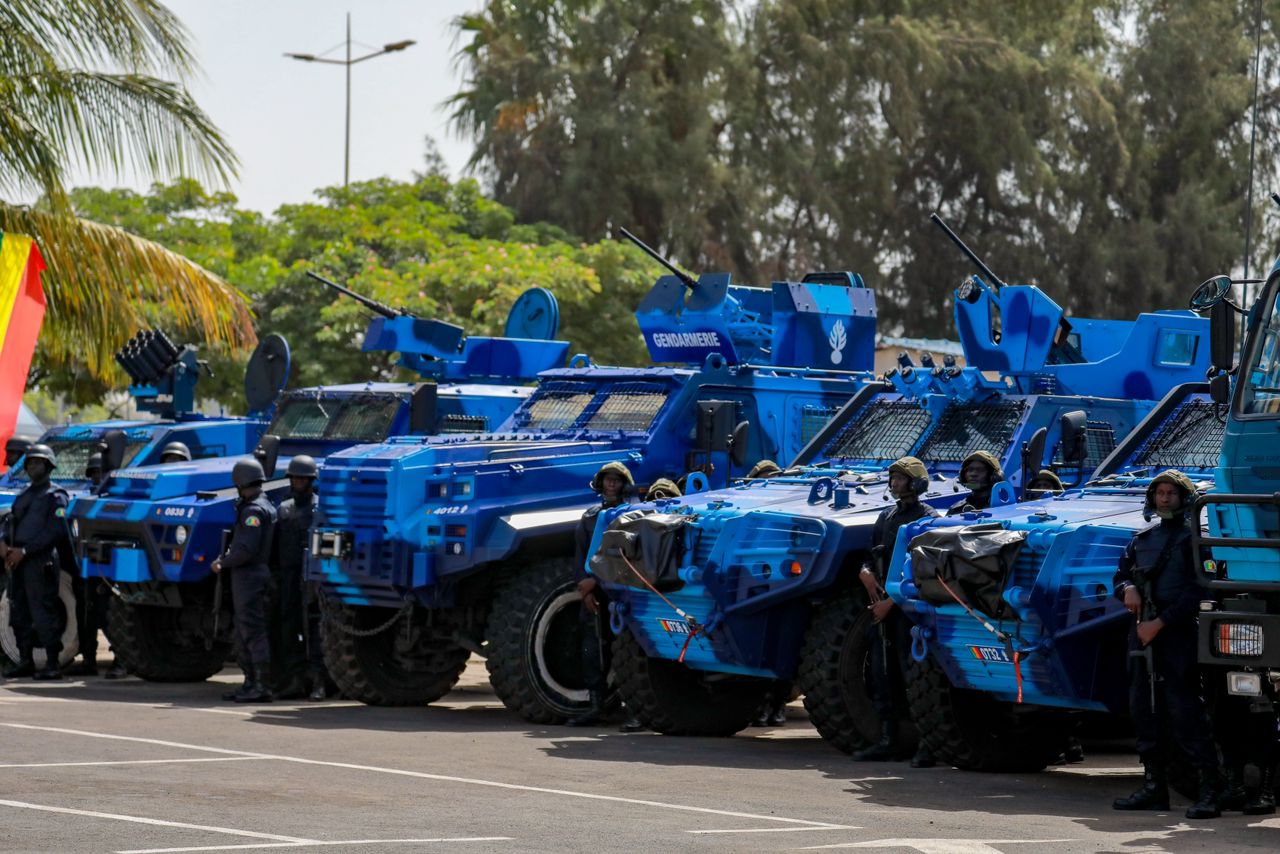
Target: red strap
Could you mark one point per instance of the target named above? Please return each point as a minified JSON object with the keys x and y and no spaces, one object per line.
{"x":1017,"y":671}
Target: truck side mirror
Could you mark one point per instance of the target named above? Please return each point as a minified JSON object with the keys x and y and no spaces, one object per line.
{"x":1220,"y":388}
{"x":266,"y":452}
{"x":1033,"y":455}
{"x":1210,"y":293}
{"x":1074,"y":447}
{"x":1222,"y":336}
{"x":738,"y":443}
{"x":112,"y":447}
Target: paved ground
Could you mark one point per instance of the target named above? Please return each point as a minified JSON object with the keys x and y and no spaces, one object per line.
{"x":137,"y":767}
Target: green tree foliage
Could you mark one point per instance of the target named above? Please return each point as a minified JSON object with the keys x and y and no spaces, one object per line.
{"x":1096,"y":147}
{"x":435,"y":248}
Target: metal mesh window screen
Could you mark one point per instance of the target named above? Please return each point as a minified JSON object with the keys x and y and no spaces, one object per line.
{"x":301,"y":418}
{"x":367,"y":418}
{"x":1100,"y":441}
{"x":1190,"y":438}
{"x":812,"y":419}
{"x":555,"y":406}
{"x":73,"y":455}
{"x":627,"y":406}
{"x":881,"y":430}
{"x":464,"y":424}
{"x":968,"y":427}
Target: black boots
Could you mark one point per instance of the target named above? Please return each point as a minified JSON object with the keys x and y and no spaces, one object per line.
{"x":630,"y":723}
{"x":593,"y":713}
{"x":886,"y":749}
{"x":51,"y":670}
{"x":1233,"y":795}
{"x":19,"y":669}
{"x":1154,"y":794}
{"x":1264,"y":802}
{"x":117,"y":670}
{"x":1206,"y":805}
{"x":923,"y":758}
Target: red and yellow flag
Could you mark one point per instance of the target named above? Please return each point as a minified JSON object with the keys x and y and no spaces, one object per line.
{"x":21,"y":313}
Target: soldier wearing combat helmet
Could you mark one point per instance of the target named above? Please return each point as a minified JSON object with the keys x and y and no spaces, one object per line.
{"x":662,"y":488}
{"x":979,"y":472}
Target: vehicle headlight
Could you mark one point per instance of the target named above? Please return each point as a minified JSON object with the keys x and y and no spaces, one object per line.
{"x":180,"y":534}
{"x":1239,"y":639}
{"x":75,"y":528}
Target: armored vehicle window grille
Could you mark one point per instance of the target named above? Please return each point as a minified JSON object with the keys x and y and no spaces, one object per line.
{"x":353,"y":418}
{"x":555,"y":405}
{"x":1099,"y":442}
{"x":464,"y":424}
{"x":626,"y":406}
{"x":813,"y":419}
{"x":968,"y":427}
{"x":1190,"y":438}
{"x":73,"y":455}
{"x":881,"y":430}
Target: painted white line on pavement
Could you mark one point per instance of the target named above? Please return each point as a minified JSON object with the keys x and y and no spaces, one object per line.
{"x":257,"y":845}
{"x":137,"y":819}
{"x":781,"y":829}
{"x":422,"y":775}
{"x":129,"y":762}
{"x":1127,"y":771}
{"x":940,"y":846}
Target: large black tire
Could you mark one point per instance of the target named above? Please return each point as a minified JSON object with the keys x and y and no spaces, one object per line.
{"x":411,"y":663}
{"x":70,"y":635}
{"x":835,"y":664}
{"x":535,"y":643}
{"x":165,"y":644}
{"x":670,"y":698}
{"x":975,"y":732}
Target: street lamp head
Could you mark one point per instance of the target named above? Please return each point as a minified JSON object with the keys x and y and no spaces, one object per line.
{"x":401,"y":45}
{"x":305,"y":57}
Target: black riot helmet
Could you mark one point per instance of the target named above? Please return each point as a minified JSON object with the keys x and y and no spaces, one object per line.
{"x":247,"y":473}
{"x":41,"y":451}
{"x":302,"y":466}
{"x":15,"y":448}
{"x":175,"y":449}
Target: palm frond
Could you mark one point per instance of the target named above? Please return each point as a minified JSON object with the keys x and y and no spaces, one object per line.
{"x":103,"y":283}
{"x":135,"y":35}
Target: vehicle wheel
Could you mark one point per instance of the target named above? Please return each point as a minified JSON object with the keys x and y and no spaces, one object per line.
{"x":166,"y":644}
{"x":535,"y":643}
{"x":411,"y":663}
{"x":670,"y":698}
{"x":835,"y":664}
{"x":70,"y":635}
{"x":973,"y":731}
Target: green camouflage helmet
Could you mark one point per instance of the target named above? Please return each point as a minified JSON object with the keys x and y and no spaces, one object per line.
{"x":613,"y":468}
{"x":1053,"y":479}
{"x":1178,"y":479}
{"x":997,"y":472}
{"x":662,"y":488}
{"x":764,"y":469}
{"x":914,"y":471}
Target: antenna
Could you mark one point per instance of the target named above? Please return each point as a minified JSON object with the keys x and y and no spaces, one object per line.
{"x":1253,"y":136}
{"x":689,"y":281}
{"x":969,"y":253}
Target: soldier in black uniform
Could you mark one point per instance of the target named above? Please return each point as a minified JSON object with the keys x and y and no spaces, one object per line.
{"x":93,"y":597}
{"x":175,"y":452}
{"x":613,"y":483}
{"x":247,"y":559}
{"x":890,"y":631}
{"x":295,"y":651}
{"x":14,"y":449}
{"x":979,"y":472}
{"x":34,"y":534}
{"x":1156,"y":580}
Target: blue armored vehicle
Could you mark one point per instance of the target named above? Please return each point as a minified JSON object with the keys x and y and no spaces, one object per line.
{"x":760,"y":583}
{"x":434,"y":548}
{"x":153,"y":531}
{"x":163,"y":379}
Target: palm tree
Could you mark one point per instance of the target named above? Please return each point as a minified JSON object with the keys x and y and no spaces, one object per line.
{"x":97,"y":84}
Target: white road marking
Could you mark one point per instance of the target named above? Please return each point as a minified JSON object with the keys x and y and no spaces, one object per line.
{"x":781,"y":829}
{"x":254,"y":846}
{"x":1127,"y":771}
{"x":130,"y":762}
{"x":422,"y":775}
{"x":940,"y":846}
{"x":137,"y":819}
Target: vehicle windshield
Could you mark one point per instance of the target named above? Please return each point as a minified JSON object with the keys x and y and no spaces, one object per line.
{"x":1189,"y":438}
{"x":1260,"y":391}
{"x":73,"y":455}
{"x":569,"y":404}
{"x":357,"y":418}
{"x":888,"y":429}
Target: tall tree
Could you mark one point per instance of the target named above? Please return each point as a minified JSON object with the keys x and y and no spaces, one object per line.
{"x":91,"y":83}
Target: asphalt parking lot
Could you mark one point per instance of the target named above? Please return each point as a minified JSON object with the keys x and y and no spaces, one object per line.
{"x":91,"y":765}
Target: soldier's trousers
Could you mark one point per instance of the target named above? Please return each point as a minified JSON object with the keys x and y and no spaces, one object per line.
{"x":93,"y":601}
{"x":889,"y":640}
{"x":249,"y":598}
{"x":36,"y":614}
{"x":1179,"y":718}
{"x":286,"y":619}
{"x":315,"y":646}
{"x":597,"y":645}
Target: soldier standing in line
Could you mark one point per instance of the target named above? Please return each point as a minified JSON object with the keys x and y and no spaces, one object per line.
{"x":287,"y":616}
{"x":92,"y":599}
{"x":979,"y":472}
{"x":1156,"y":580}
{"x":613,"y":483}
{"x":34,"y":534}
{"x":890,"y":631}
{"x":14,"y":449}
{"x":247,"y":559}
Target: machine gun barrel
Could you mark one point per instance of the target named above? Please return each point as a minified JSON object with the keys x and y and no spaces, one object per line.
{"x":969,"y":253}
{"x":689,"y":281}
{"x":371,"y":304}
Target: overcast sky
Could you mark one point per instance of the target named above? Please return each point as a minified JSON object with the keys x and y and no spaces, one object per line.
{"x":284,"y":118}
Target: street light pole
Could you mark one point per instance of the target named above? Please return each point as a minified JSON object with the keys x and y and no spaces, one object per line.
{"x":347,"y":63}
